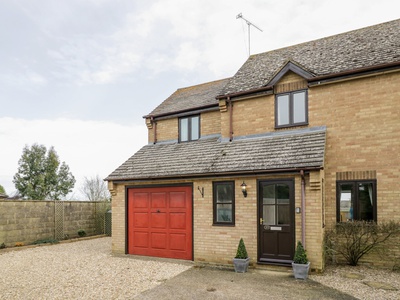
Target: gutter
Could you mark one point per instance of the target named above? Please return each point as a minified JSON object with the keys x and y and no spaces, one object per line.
{"x":324,"y":78}
{"x":352,"y":73}
{"x":252,"y":91}
{"x":181,"y":111}
{"x":213,"y":174}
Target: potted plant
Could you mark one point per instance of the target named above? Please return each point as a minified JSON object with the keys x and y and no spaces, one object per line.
{"x":300,"y":263}
{"x":241,"y":260}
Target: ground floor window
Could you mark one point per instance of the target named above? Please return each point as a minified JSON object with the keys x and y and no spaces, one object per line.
{"x":356,"y":200}
{"x":224,"y":203}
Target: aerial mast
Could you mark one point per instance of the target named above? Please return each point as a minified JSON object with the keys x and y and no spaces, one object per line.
{"x":240,"y":16}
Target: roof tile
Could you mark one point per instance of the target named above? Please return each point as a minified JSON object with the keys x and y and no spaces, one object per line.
{"x":191,"y":97}
{"x":292,"y":150}
{"x":369,"y":46}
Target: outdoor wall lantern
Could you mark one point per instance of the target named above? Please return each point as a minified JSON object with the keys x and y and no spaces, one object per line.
{"x":244,"y":189}
{"x":298,"y":210}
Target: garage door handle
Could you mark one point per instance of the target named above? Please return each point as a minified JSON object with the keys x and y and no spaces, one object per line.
{"x":158,"y":211}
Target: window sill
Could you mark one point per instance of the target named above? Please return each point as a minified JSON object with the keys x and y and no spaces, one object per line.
{"x":181,"y":142}
{"x":223,"y":225}
{"x":291,"y":126}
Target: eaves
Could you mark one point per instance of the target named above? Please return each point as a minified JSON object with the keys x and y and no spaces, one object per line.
{"x":184,"y":112}
{"x":216,"y":175}
{"x":324,"y":79}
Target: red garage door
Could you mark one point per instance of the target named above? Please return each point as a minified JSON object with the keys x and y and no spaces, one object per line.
{"x":160,"y":222}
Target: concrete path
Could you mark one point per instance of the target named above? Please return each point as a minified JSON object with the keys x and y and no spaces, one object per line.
{"x":212,"y":283}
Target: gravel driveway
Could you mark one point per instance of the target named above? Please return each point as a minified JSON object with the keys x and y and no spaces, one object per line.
{"x":87,"y":270}
{"x":79,"y":270}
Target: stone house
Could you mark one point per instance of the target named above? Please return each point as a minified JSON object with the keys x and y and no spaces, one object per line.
{"x":298,"y":139}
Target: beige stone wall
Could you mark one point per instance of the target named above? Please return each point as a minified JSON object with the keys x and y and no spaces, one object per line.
{"x":218,"y":244}
{"x":167,"y":129}
{"x":386,"y":255}
{"x":251,"y":116}
{"x":362,"y":117}
{"x":25,"y":221}
{"x":28,"y":221}
{"x":363,"y":134}
{"x":210,"y":123}
{"x":255,"y":115}
{"x":118,"y":217}
{"x":81,"y":215}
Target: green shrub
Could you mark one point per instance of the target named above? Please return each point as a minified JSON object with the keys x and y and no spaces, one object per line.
{"x":2,"y":246}
{"x":241,"y":250}
{"x":45,"y":241}
{"x":300,"y":255}
{"x":81,"y":232}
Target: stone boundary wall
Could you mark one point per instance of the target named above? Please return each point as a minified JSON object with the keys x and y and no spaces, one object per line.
{"x":26,"y":221}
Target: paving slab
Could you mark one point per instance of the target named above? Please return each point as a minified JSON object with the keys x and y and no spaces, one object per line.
{"x":380,"y":285}
{"x":213,"y":283}
{"x":353,"y":276}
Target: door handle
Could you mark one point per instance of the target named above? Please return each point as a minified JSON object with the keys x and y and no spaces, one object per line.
{"x":261,"y":221}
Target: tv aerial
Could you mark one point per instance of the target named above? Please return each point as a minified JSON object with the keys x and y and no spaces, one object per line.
{"x":240,"y":16}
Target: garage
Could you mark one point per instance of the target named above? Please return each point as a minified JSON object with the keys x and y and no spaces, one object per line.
{"x":160,"y":222}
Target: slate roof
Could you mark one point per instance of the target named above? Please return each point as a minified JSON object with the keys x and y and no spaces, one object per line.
{"x":272,"y":152}
{"x":366,"y":47}
{"x":191,"y":97}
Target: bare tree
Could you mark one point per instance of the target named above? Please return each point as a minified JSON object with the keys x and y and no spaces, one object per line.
{"x":95,"y":189}
{"x":354,"y":239}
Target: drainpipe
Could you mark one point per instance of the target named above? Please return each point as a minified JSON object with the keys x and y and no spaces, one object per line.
{"x":303,"y":209}
{"x":230,"y":118}
{"x":155,"y":130}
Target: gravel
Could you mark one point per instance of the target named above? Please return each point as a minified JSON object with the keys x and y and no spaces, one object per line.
{"x":354,"y":280}
{"x":87,"y":270}
{"x":79,"y":270}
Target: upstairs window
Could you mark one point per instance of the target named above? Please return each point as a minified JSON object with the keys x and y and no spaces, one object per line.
{"x":356,"y":200}
{"x":189,"y":128}
{"x":291,"y":109}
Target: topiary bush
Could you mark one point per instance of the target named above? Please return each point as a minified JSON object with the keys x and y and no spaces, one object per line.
{"x":300,"y":255}
{"x":81,"y":232}
{"x":241,"y":250}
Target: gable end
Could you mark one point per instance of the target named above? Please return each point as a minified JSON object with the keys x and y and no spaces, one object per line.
{"x":289,"y":66}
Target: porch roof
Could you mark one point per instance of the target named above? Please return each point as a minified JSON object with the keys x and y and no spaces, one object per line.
{"x":212,"y":156}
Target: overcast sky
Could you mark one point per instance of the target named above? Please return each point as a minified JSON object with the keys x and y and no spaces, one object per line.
{"x":80,"y":74}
